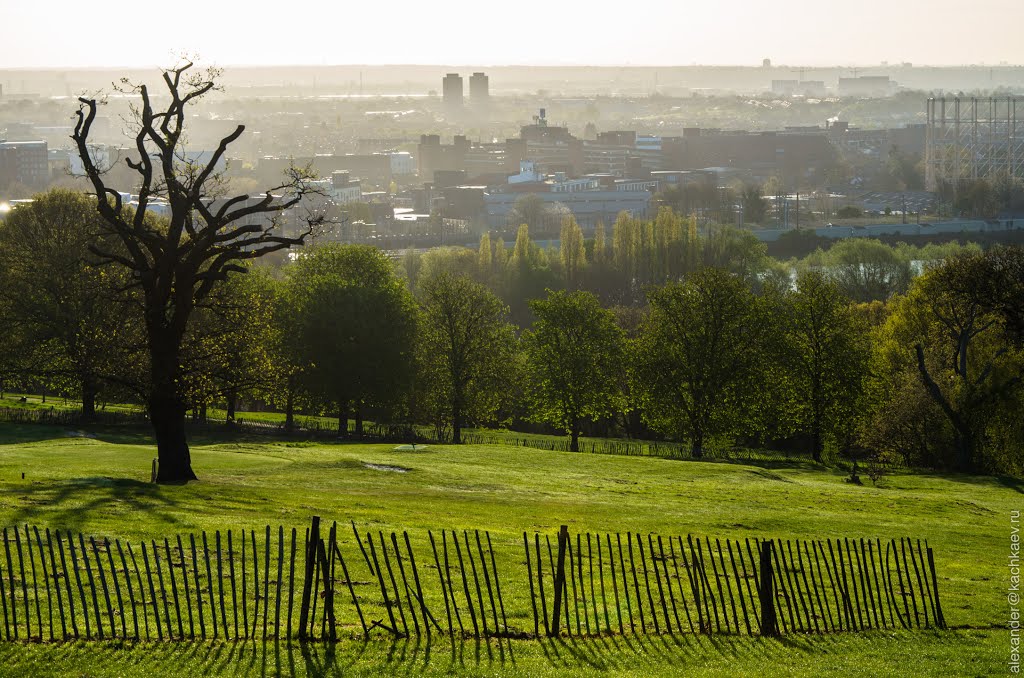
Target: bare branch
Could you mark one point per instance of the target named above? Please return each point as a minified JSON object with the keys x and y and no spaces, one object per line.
{"x":222,"y":147}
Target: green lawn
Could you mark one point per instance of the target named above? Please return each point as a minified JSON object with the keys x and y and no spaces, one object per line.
{"x":99,"y":486}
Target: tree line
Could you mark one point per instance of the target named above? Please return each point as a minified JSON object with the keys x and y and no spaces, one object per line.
{"x":656,"y":330}
{"x":171,"y":312}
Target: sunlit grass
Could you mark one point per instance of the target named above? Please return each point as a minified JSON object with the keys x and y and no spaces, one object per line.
{"x":99,"y":486}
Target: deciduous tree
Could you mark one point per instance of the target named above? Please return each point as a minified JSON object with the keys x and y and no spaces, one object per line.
{"x":574,"y":353}
{"x":571,"y":251}
{"x":228,"y":349}
{"x":959,"y":347}
{"x":825,"y":351}
{"x":465,"y":349}
{"x":206,"y":237}
{"x":352,"y":329}
{"x":696,"y":355}
{"x":63,"y":317}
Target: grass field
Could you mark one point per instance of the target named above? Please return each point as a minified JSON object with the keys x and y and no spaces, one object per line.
{"x":98,"y":485}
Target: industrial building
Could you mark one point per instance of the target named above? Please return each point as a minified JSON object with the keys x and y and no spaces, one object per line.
{"x":970,"y":139}
{"x":794,"y":87}
{"x":590,"y":199}
{"x":553,"y":148}
{"x":791,"y":157}
{"x":343,"y":189}
{"x":24,"y":162}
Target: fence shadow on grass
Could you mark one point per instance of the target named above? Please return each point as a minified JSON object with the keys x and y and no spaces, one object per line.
{"x":415,"y":656}
{"x":409,"y":657}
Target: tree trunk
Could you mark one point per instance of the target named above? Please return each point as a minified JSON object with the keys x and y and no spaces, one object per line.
{"x":202,"y":412}
{"x":964,"y":434}
{"x":167,"y":414}
{"x":343,"y":419}
{"x":359,"y":419}
{"x":816,"y":420}
{"x":964,"y":461}
{"x":697,"y":445}
{"x":232,"y":397}
{"x":816,"y":435}
{"x":456,"y":424}
{"x":167,"y":407}
{"x":289,"y":409}
{"x":574,"y":440}
{"x":88,"y":400}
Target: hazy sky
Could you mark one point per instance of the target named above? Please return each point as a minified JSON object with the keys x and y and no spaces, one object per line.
{"x":473,"y":32}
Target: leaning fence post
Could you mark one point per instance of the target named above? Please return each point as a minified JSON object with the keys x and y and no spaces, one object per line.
{"x":328,"y":591}
{"x":940,"y":619}
{"x":307,"y":584}
{"x":769,"y":623}
{"x":563,"y":540}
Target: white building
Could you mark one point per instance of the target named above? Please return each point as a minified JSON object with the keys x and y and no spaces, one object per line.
{"x":402,"y":163}
{"x":343,"y":189}
{"x":586,"y":198}
{"x":528,"y":173}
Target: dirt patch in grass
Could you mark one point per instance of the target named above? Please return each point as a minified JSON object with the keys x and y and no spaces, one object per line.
{"x":386,"y":467}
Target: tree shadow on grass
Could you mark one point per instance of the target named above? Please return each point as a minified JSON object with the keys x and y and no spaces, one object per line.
{"x":18,"y":434}
{"x":1009,"y":482}
{"x":1015,"y":484}
{"x":68,"y":504}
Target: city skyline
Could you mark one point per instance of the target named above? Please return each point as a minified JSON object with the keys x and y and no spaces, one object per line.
{"x":791,"y":32}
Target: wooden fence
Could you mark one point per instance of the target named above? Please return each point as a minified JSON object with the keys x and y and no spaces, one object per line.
{"x":409,"y":433}
{"x":279,"y":584}
{"x":64,"y":417}
{"x":306,"y":426}
{"x":668,"y":584}
{"x":639,"y":448}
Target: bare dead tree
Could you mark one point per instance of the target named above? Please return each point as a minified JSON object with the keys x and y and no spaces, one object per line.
{"x":176,"y":262}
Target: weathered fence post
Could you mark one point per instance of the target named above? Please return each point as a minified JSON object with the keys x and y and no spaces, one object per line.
{"x":769,"y":623}
{"x":939,"y":619}
{"x":321,"y":553}
{"x":563,"y":540}
{"x":307,"y":584}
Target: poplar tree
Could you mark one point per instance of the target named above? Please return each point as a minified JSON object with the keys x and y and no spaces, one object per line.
{"x":572,"y":252}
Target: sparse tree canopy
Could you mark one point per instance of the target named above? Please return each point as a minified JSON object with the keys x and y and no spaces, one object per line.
{"x":206,"y":237}
{"x":755,"y":207}
{"x":530,"y":209}
{"x":227,"y":350}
